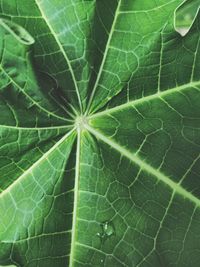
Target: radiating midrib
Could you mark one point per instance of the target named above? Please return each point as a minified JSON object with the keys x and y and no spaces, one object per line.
{"x":20,"y":128}
{"x":62,"y":50}
{"x":145,"y":166}
{"x":104,"y":58}
{"x":147,"y":98}
{"x":35,"y":164}
{"x":76,"y":193}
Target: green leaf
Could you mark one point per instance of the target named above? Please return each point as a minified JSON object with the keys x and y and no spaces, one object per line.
{"x":17,"y":31}
{"x":99,"y":134}
{"x":185,"y":16}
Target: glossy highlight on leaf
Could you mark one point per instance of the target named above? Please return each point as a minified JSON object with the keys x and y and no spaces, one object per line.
{"x":99,"y":133}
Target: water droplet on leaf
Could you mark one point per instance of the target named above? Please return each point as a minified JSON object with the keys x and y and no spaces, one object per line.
{"x":108,"y":230}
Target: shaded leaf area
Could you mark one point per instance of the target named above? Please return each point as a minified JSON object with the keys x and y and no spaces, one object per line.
{"x":21,"y":90}
{"x":99,"y":134}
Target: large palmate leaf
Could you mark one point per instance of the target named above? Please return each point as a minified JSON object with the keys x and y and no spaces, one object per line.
{"x":99,"y":133}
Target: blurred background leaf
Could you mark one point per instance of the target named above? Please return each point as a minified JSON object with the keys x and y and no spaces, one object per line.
{"x":185,"y":16}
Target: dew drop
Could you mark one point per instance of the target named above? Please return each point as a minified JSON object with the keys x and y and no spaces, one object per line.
{"x":108,"y":230}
